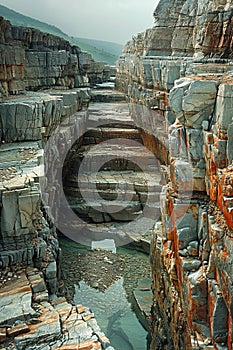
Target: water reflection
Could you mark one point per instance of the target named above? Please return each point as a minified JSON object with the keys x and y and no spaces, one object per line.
{"x":114,"y":315}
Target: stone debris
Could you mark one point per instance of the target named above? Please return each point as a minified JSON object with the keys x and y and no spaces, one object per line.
{"x":101,"y":269}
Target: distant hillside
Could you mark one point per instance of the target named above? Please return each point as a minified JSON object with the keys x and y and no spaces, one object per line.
{"x":114,"y":48}
{"x":100,"y":50}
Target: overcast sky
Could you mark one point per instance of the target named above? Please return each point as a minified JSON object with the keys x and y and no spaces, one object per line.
{"x":111,"y":20}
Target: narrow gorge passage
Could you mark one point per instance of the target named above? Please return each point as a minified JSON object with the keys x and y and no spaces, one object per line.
{"x":112,"y":179}
{"x":112,"y":183}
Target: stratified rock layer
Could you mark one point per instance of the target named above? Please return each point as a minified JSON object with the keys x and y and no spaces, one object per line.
{"x":30,"y":321}
{"x":31,"y":59}
{"x":178,"y":79}
{"x":44,"y":92}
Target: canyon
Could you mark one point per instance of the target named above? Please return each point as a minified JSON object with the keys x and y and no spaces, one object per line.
{"x":169,"y":187}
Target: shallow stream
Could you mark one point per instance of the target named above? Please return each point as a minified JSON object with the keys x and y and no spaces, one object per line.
{"x":104,"y":281}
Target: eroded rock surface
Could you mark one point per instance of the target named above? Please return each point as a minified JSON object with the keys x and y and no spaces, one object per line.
{"x":187,"y":28}
{"x":112,"y":177}
{"x":31,"y":60}
{"x":28,"y":319}
{"x":44,"y":91}
{"x":178,"y":79}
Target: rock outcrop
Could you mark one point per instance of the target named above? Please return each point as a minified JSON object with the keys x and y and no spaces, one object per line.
{"x":32,"y":321}
{"x":32,"y":60}
{"x":187,"y":28}
{"x":178,"y":79}
{"x":44,"y":85}
{"x":30,"y":256}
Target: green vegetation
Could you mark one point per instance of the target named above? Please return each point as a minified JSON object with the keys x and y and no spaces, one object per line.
{"x":114,"y":48}
{"x":100,"y":50}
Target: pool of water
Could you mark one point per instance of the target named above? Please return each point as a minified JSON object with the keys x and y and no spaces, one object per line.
{"x":114,"y":315}
{"x":111,"y":308}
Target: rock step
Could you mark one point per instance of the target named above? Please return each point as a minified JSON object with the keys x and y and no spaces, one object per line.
{"x":115,"y":157}
{"x":107,"y":85}
{"x":107,"y":95}
{"x":98,"y":135}
{"x":100,"y":212}
{"x":102,"y":204}
{"x":110,"y":114}
{"x":111,"y":180}
{"x":110,"y":205}
{"x":12,"y":154}
{"x":95,"y":216}
{"x":138,"y":232}
{"x":111,"y":195}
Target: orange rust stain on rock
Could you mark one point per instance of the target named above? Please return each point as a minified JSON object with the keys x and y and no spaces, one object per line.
{"x":230,"y":325}
{"x":224,"y":203}
{"x":172,"y":232}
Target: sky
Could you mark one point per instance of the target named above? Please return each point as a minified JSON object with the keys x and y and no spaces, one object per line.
{"x":110,"y":20}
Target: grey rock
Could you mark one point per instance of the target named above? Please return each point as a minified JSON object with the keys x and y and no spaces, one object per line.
{"x":16,"y":302}
{"x":193,"y":101}
{"x":191,"y":265}
{"x":51,"y":270}
{"x":230,"y":143}
{"x":185,"y":236}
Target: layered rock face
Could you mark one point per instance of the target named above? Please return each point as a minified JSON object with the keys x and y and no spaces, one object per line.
{"x":178,"y":79}
{"x":44,"y":86}
{"x":34,"y":322}
{"x":187,"y":28}
{"x":31,"y":60}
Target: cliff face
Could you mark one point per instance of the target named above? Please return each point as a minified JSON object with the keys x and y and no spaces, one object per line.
{"x":44,"y":84}
{"x":186,"y":27}
{"x":31,"y":60}
{"x":178,"y":79}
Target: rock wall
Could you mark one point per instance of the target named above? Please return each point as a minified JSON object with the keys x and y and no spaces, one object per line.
{"x":178,"y":79}
{"x":186,"y":28}
{"x":44,"y":91}
{"x":28,"y":236}
{"x":31,"y":60}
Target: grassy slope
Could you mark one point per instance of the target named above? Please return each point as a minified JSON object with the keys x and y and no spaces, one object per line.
{"x":100,"y":50}
{"x":104,"y":45}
